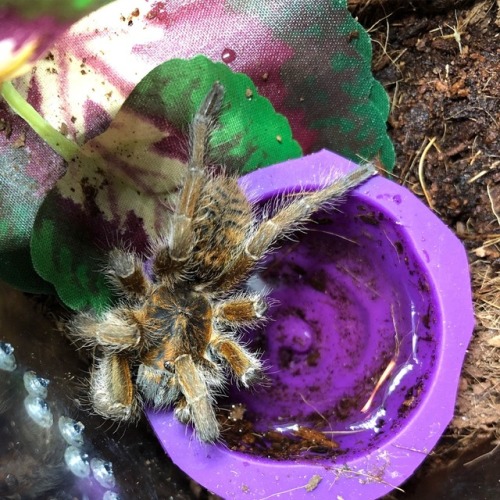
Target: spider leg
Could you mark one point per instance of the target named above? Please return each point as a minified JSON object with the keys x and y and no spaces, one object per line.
{"x":245,"y":365}
{"x":243,"y":309}
{"x":287,"y":219}
{"x":181,"y":240}
{"x":300,"y":210}
{"x":112,"y":391}
{"x":181,"y":411}
{"x":127,"y":272}
{"x":116,"y":330}
{"x":198,"y":405}
{"x":157,"y":386}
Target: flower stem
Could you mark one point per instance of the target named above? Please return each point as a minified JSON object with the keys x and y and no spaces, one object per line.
{"x":60,"y":144}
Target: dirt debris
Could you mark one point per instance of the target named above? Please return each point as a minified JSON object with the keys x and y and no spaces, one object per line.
{"x":442,"y":75}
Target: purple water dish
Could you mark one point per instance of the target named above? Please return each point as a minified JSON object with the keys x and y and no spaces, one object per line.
{"x":371,"y":319}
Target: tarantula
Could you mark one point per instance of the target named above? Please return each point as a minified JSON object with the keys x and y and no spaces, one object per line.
{"x":174,"y":337}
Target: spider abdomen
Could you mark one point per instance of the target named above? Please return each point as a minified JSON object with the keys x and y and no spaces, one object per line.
{"x":221,"y":223}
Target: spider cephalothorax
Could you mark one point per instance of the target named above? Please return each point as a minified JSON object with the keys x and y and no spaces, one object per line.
{"x":174,"y":337}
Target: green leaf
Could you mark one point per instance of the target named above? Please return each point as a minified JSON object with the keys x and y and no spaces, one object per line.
{"x":327,"y":77}
{"x":117,"y":191}
{"x":18,"y":205}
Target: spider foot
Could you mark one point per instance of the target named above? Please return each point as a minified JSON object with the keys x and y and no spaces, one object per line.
{"x":182,"y":412}
{"x":112,"y":391}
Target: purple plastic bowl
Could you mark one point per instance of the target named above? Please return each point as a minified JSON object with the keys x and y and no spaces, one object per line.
{"x":379,"y":283}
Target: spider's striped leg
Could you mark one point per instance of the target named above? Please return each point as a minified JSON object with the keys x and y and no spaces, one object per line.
{"x":112,"y":390}
{"x":245,"y":365}
{"x":116,"y":330}
{"x":181,"y":240}
{"x":300,"y":210}
{"x":196,"y":404}
{"x":242,"y":309}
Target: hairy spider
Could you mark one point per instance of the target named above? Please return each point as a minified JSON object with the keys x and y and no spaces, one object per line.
{"x":174,"y":337}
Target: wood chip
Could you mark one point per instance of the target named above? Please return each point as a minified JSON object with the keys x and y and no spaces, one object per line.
{"x":494,"y":341}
